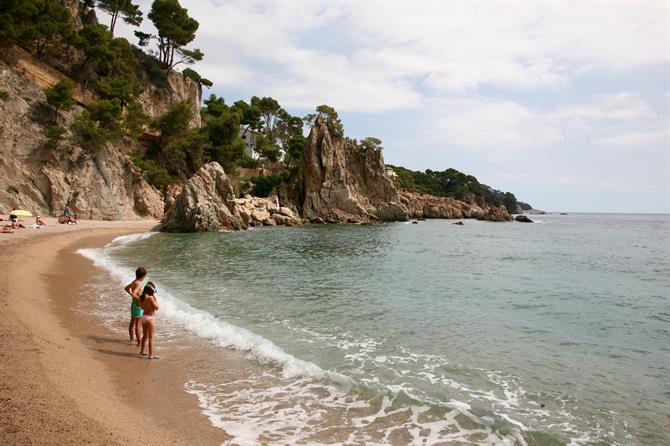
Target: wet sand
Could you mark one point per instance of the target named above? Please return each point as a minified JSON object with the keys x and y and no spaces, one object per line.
{"x":65,"y":378}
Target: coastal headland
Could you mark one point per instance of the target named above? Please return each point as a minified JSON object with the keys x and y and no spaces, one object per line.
{"x":65,"y":377}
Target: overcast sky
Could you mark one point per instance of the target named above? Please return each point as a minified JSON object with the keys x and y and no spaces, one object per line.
{"x":567,"y":105}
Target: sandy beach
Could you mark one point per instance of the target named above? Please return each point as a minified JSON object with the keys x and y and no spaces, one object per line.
{"x":65,"y":378}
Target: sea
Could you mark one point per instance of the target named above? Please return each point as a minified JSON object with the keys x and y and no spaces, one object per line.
{"x":426,"y":333}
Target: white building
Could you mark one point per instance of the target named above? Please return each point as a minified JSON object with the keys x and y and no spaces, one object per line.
{"x":249,"y":137}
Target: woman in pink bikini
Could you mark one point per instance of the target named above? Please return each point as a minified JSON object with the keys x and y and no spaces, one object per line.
{"x":149,"y":304}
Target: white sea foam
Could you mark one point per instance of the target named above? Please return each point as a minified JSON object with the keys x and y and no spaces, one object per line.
{"x":207,"y":326}
{"x":251,"y":419}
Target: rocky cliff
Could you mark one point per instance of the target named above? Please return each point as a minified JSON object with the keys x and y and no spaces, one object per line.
{"x":44,"y":180}
{"x":344,"y":183}
{"x":207,"y":203}
{"x":429,"y":206}
{"x":157,"y":99}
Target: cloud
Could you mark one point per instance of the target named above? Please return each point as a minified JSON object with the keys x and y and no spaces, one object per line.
{"x":372,"y":57}
{"x":637,"y":139}
{"x":496,"y":124}
{"x":622,"y":105}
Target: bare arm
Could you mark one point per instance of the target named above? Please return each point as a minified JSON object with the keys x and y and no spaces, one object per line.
{"x":133,"y":289}
{"x":154,"y":303}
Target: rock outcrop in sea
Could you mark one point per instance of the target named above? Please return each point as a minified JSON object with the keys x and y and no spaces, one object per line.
{"x":494,"y":213}
{"x":207,"y":203}
{"x":430,"y":206}
{"x":344,"y":183}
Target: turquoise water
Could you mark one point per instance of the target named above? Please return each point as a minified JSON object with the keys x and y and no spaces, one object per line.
{"x":488,"y":333}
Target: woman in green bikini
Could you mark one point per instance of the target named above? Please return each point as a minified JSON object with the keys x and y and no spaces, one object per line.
{"x":134,"y":289}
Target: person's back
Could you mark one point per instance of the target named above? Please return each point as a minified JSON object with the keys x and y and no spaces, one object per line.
{"x":134,"y":289}
{"x":149,"y":305}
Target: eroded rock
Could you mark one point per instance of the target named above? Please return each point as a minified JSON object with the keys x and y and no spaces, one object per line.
{"x":206,"y":203}
{"x":343,"y":183}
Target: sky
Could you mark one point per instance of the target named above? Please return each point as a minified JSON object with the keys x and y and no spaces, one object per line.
{"x":565,"y":104}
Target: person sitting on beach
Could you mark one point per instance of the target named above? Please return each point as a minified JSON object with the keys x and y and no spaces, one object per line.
{"x":39,"y":221}
{"x":134,"y":289}
{"x":149,"y":304}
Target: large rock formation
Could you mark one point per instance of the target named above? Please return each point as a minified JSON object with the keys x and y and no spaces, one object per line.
{"x":430,"y":206}
{"x":344,"y":183}
{"x":206,"y":203}
{"x":495,"y":214}
{"x":102,"y":186}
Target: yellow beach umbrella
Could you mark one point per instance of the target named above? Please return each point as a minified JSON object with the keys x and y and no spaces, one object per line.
{"x":21,"y":213}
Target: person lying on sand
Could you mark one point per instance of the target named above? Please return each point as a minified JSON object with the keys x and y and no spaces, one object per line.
{"x":149,"y":304}
{"x":39,"y":221}
{"x":134,"y":289}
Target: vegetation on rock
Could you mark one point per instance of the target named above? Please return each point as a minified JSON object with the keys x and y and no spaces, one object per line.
{"x":454,"y":184}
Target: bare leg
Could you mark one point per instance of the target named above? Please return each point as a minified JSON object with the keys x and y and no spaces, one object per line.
{"x":145,"y":331}
{"x":150,"y":328}
{"x":137,"y":332}
{"x":132,"y":327}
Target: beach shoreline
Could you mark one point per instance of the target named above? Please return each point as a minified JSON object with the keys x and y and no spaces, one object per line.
{"x":66,"y":378}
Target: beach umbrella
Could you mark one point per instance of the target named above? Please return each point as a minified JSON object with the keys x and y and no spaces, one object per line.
{"x":21,"y":213}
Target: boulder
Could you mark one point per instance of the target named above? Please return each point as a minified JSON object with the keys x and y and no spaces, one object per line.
{"x":523,"y":219}
{"x":494,"y":213}
{"x":206,"y":203}
{"x":344,"y":183}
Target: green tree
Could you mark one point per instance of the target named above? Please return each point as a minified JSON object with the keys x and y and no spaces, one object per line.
{"x":192,"y":74}
{"x":269,"y":110}
{"x":287,"y":127}
{"x":134,"y":118}
{"x":175,"y":30}
{"x":108,"y":63}
{"x":175,"y":121}
{"x":59,"y":97}
{"x":40,"y":25}
{"x":329,"y":116}
{"x":295,"y":149}
{"x":126,"y":9}
{"x":54,"y":135}
{"x":509,"y":200}
{"x":265,"y":148}
{"x":102,"y":121}
{"x":371,"y":143}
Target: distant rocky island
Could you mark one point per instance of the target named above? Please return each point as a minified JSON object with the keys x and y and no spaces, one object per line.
{"x":94,"y":124}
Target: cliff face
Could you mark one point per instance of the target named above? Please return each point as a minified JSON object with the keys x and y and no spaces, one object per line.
{"x":157,"y":99}
{"x":344,"y":183}
{"x":207,"y":203}
{"x":43,"y":180}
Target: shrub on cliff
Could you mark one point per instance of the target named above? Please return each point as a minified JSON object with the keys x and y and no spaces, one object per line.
{"x":154,"y":174}
{"x":102,"y":121}
{"x":192,"y":74}
{"x":59,"y":97}
{"x":54,"y":136}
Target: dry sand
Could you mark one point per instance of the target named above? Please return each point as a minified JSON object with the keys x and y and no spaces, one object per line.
{"x":64,"y":378}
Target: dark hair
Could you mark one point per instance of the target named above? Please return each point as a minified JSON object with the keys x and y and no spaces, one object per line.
{"x":140,"y":272}
{"x":149,"y":290}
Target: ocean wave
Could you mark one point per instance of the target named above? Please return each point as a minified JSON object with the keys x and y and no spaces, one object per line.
{"x":207,"y":326}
